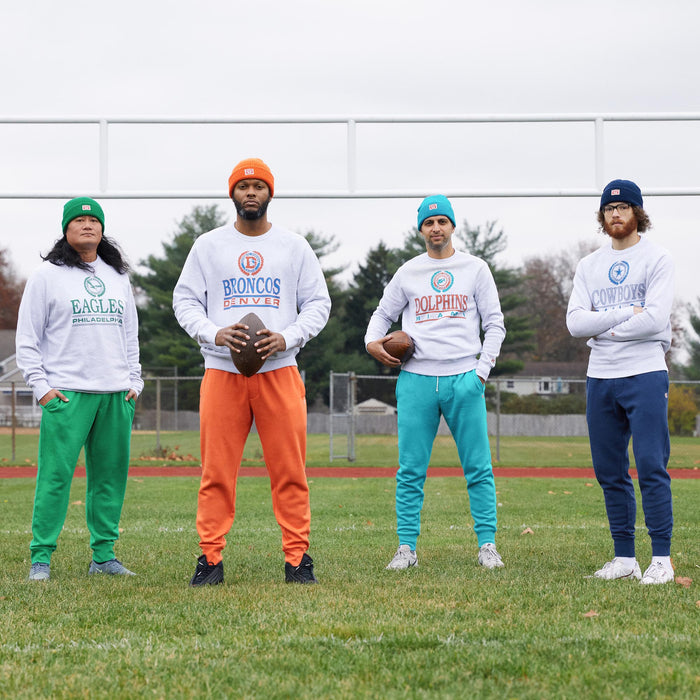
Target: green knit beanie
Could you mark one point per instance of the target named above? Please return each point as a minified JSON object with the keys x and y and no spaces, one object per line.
{"x":82,"y":206}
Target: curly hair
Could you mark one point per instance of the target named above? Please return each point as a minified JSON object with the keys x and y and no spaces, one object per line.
{"x":643,"y":220}
{"x":63,"y":253}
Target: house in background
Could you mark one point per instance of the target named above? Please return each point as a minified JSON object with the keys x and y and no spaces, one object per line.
{"x":27,"y":410}
{"x":374,"y":407}
{"x":547,"y":379}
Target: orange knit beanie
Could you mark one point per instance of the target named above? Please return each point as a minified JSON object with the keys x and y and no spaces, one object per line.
{"x":251,"y":168}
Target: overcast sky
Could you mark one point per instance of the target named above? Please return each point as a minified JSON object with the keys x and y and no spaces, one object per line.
{"x":405,"y":58}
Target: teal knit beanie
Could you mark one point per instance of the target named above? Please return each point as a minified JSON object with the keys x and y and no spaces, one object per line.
{"x":437,"y":205}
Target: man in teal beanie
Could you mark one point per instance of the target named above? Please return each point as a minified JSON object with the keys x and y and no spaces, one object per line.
{"x":445,"y":299}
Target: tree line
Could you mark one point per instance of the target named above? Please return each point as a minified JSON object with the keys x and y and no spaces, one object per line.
{"x":534,"y":299}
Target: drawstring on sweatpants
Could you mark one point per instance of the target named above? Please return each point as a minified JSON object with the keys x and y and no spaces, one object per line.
{"x":437,"y":384}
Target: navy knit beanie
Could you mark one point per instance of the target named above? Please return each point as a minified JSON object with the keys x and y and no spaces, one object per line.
{"x":622,"y":191}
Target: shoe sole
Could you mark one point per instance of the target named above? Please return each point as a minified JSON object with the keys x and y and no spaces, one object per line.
{"x":655,"y":583}
{"x":305,"y":581}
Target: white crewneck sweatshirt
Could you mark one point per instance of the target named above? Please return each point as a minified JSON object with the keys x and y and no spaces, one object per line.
{"x":77,"y":330}
{"x":443,"y":303}
{"x":275,"y":275}
{"x":608,"y":284}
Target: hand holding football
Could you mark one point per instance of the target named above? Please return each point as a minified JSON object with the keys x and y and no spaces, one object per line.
{"x":400,"y":345}
{"x":248,"y":361}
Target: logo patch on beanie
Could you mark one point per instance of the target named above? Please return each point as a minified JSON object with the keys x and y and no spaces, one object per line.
{"x":249,"y":171}
{"x":87,"y":207}
{"x":432,"y":206}
{"x":614,"y":192}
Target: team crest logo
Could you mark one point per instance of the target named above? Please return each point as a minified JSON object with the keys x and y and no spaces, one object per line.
{"x":250,"y":262}
{"x":617,"y":274}
{"x":441,"y":281}
{"x":94,"y":286}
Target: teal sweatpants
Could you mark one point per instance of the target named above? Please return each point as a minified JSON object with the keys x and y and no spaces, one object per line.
{"x":102,"y":424}
{"x":421,"y":400}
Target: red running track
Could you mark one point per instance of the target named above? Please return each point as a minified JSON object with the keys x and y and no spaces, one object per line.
{"x":364,"y":472}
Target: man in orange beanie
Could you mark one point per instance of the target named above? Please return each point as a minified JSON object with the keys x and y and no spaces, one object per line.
{"x":253,"y":266}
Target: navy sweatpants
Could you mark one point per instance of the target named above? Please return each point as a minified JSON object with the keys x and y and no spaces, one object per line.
{"x":636,"y":407}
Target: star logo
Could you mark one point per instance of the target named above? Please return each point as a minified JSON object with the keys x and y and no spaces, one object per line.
{"x":618,"y":272}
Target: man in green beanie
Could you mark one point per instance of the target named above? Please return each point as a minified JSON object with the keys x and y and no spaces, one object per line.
{"x":77,"y":348}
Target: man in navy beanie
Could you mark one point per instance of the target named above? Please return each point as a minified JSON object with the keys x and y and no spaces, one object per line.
{"x":621,"y":301}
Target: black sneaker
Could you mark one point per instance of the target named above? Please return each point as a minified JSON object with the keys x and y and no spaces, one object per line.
{"x":304,"y":573}
{"x":207,"y":574}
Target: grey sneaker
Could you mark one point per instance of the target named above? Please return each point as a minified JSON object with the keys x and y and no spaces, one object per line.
{"x":39,"y":571}
{"x":615,"y":569}
{"x":489,"y":556}
{"x":657,"y":573}
{"x":113,"y":567}
{"x":404,"y":557}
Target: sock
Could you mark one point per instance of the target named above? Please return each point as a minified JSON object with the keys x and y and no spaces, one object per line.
{"x":629,"y":562}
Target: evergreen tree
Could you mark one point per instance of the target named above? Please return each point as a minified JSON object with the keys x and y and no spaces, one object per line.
{"x":165,"y":347}
{"x":328,"y":352}
{"x":487,"y":243}
{"x":361,"y":300}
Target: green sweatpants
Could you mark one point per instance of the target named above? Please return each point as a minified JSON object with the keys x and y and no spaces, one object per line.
{"x":102,"y":424}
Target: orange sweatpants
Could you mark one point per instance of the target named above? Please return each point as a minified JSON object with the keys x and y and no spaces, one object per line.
{"x":228,"y":403}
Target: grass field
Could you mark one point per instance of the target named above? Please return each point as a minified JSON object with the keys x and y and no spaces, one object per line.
{"x":182,"y":448}
{"x":448,"y":629}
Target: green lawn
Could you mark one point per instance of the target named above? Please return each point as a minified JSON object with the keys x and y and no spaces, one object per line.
{"x":182,"y":448}
{"x":448,"y":629}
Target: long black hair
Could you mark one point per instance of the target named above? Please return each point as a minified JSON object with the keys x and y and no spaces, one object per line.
{"x":63,"y":253}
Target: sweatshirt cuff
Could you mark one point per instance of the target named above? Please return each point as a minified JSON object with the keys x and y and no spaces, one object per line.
{"x":40,"y":389}
{"x":484,"y":366}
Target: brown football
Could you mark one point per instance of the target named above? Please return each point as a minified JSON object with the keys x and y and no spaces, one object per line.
{"x":248,"y":361}
{"x":400,"y":345}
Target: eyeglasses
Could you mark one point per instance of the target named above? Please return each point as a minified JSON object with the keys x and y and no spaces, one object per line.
{"x":620,"y":208}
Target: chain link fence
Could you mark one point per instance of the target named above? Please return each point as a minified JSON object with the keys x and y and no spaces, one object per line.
{"x":358,"y":405}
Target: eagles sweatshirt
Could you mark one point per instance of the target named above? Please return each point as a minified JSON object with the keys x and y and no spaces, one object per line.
{"x":77,"y":330}
{"x":608,"y":284}
{"x":443,"y":303}
{"x":275,"y":275}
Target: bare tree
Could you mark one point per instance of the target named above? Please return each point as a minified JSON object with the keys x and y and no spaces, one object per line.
{"x":547,"y":284}
{"x":11,"y":288}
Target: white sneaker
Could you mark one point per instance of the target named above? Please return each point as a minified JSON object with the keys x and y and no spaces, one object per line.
{"x":39,"y":571}
{"x":657,"y":573}
{"x":616,"y":569}
{"x":489,"y":557}
{"x":113,"y":567}
{"x":403,"y":558}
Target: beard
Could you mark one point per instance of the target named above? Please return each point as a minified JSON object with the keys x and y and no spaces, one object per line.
{"x":438,"y":247}
{"x":251,"y":214}
{"x":621,"y":232}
